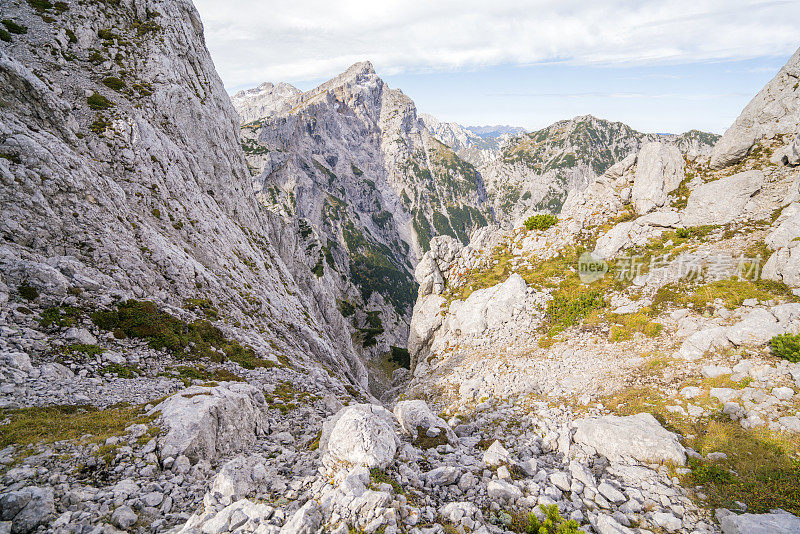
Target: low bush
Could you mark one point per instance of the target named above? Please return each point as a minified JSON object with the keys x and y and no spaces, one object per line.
{"x":542,"y":221}
{"x":98,"y":101}
{"x":786,"y":346}
{"x":567,"y":309}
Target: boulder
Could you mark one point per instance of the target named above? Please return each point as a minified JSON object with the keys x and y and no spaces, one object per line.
{"x":203,"y":423}
{"x":502,"y":491}
{"x":55,"y":371}
{"x":775,"y":522}
{"x":756,"y":328}
{"x":659,"y":170}
{"x":415,"y":416}
{"x":361,"y":434}
{"x":27,"y":508}
{"x":80,"y":335}
{"x":124,"y":517}
{"x":638,"y":436}
{"x":237,"y":478}
{"x":496,"y":455}
{"x":700,"y":342}
{"x":306,"y":520}
{"x":785,"y":228}
{"x":488,"y":308}
{"x":723,"y":200}
{"x":425,"y":321}
{"x":774,"y":110}
{"x":784,"y":265}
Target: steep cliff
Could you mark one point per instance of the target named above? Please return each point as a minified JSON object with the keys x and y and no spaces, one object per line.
{"x":123,"y":177}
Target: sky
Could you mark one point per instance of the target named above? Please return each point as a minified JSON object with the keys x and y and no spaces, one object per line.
{"x":660,"y":66}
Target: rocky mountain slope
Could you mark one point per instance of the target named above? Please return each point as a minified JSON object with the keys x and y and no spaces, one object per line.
{"x":478,"y":145}
{"x":172,"y":358}
{"x":536,"y":171}
{"x":354,"y":164}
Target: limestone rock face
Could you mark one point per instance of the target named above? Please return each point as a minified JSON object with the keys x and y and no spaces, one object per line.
{"x":784,"y":264}
{"x":659,"y":170}
{"x":361,"y":434}
{"x":144,"y":192}
{"x":774,"y":110}
{"x":775,"y":522}
{"x":203,"y":423}
{"x":723,"y":200}
{"x":638,"y":436}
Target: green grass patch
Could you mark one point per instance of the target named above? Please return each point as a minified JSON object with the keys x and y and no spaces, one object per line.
{"x":759,"y":471}
{"x":112,"y":82}
{"x":27,"y":426}
{"x":82,"y":348}
{"x":568,"y":309}
{"x":143,"y":320}
{"x":59,"y":317}
{"x":379,"y":476}
{"x":28,"y":292}
{"x":624,"y":326}
{"x":733,"y":292}
{"x":122,"y":371}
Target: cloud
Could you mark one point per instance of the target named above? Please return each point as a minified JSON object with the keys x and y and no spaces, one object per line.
{"x":253,"y":41}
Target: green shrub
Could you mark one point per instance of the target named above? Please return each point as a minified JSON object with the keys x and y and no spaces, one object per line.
{"x":5,"y":36}
{"x":682,"y":233}
{"x":122,"y":371}
{"x":28,"y":292}
{"x":112,"y":82}
{"x":13,"y":27}
{"x":542,"y":221}
{"x":59,"y":317}
{"x":553,"y":522}
{"x":98,"y":101}
{"x":401,"y":357}
{"x":567,"y":310}
{"x":786,"y":346}
{"x":90,"y":350}
{"x":40,"y":5}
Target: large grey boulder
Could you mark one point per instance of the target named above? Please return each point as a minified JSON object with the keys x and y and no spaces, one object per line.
{"x":237,"y":479}
{"x":306,"y":520}
{"x":774,"y":110}
{"x":756,"y":328}
{"x":27,"y":508}
{"x":415,"y":417}
{"x":488,"y":308}
{"x":723,"y":200}
{"x":659,"y":170}
{"x":361,"y":434}
{"x":784,"y":265}
{"x":775,"y":522}
{"x":638,"y":436}
{"x":786,"y":227}
{"x":203,"y":423}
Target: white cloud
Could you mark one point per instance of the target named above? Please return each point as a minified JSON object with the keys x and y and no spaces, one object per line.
{"x":254,"y":41}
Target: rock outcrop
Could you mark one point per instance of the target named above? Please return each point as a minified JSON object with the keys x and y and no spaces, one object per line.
{"x":659,"y":170}
{"x":638,"y":436}
{"x":774,"y":110}
{"x":362,"y":434}
{"x":721,"y":201}
{"x":203,"y":423}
